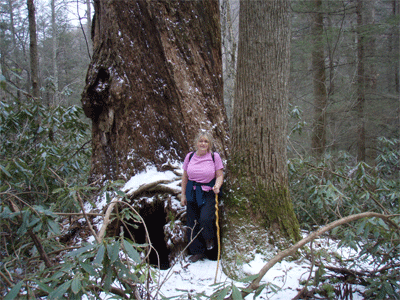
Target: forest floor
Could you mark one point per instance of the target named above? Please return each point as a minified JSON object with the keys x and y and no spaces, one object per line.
{"x":185,"y":280}
{"x":283,"y":280}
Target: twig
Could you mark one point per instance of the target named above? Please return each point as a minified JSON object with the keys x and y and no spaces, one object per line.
{"x":299,"y":294}
{"x":9,"y":283}
{"x":39,"y":247}
{"x":78,"y":214}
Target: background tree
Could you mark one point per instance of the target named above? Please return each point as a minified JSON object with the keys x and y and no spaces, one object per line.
{"x":55,"y":49}
{"x":229,"y":25}
{"x":154,"y":81}
{"x":318,"y":140}
{"x":71,"y":54}
{"x":34,"y":60}
{"x":360,"y":103}
{"x":340,"y":42}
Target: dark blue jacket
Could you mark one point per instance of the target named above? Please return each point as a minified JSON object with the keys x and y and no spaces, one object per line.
{"x":199,"y":191}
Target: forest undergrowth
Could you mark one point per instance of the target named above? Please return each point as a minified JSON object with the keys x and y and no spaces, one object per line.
{"x":44,"y":165}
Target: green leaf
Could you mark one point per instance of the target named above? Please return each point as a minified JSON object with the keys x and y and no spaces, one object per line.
{"x":14,"y":291}
{"x":89,"y":269}
{"x":248,"y":278}
{"x":60,"y":291}
{"x":80,"y":250}
{"x":98,"y":260}
{"x":236,"y":294}
{"x":132,"y":253}
{"x":54,"y":227}
{"x":76,"y":285}
{"x":259,"y":290}
{"x":5,"y":171}
{"x":360,"y":227}
{"x":113,"y":251}
{"x":220,"y":295}
{"x":108,"y":279}
{"x":44,"y":287}
{"x":120,"y":193}
{"x":318,"y":274}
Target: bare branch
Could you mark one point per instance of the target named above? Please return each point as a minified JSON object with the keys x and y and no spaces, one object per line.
{"x":87,"y":219}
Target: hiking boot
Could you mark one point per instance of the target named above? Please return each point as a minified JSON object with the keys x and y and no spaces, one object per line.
{"x":196,"y":257}
{"x":210,"y":244}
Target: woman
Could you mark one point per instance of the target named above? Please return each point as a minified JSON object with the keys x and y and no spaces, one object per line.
{"x":202,"y":179}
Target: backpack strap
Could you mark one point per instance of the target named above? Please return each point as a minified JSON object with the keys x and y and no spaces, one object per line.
{"x":191,"y":155}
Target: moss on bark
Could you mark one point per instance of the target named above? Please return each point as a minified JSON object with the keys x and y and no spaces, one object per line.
{"x":257,"y":219}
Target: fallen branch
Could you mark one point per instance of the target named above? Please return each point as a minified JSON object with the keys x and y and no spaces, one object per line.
{"x":292,"y":250}
{"x":114,"y":290}
{"x":345,"y":271}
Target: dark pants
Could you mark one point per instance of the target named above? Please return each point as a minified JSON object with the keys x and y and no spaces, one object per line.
{"x":198,"y":218}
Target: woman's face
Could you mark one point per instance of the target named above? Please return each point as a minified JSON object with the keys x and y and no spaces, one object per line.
{"x":203,"y":144}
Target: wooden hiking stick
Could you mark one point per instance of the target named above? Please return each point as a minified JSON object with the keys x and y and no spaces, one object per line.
{"x":218,"y":239}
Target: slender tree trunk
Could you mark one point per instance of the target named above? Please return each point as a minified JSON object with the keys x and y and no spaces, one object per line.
{"x":371,"y":78}
{"x":89,"y":23}
{"x":318,"y":140}
{"x":3,"y":54}
{"x":396,"y":46}
{"x":34,"y":60}
{"x":229,"y":57}
{"x":360,"y":84}
{"x":260,"y":113}
{"x":54,"y":51}
{"x":154,"y":81}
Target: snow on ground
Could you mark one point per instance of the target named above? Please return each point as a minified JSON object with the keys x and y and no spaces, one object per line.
{"x":199,"y":277}
{"x":188,"y":279}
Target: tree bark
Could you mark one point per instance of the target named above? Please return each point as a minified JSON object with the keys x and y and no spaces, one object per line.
{"x":318,"y":140}
{"x":154,"y":81}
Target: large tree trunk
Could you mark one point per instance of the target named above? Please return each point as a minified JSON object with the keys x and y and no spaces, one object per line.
{"x":259,"y":164}
{"x":155,"y":79}
{"x":318,"y":140}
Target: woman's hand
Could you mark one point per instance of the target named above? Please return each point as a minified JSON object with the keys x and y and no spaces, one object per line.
{"x":183,"y":200}
{"x":185,"y":179}
{"x":219,"y":180}
{"x":216,"y":189}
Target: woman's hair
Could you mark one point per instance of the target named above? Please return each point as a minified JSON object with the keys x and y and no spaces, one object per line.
{"x":207,"y":135}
